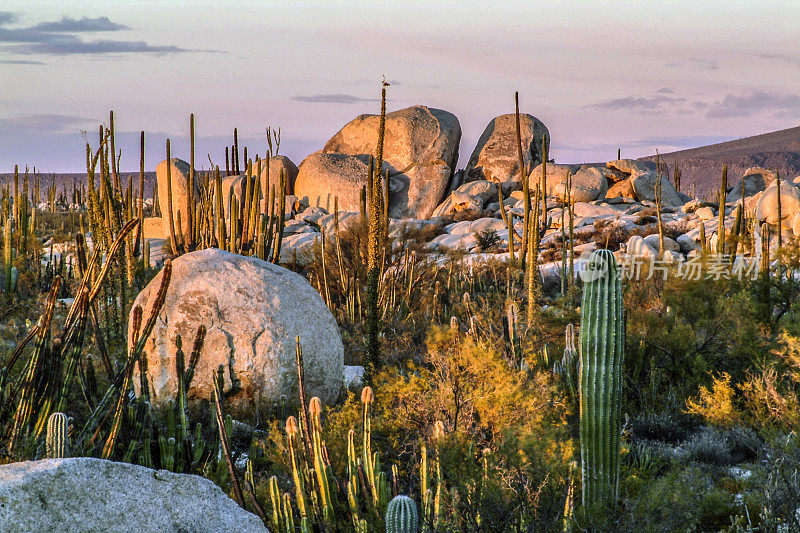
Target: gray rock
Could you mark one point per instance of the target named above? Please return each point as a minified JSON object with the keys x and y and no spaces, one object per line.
{"x":94,"y":495}
{"x":644,"y":185}
{"x":252,"y":311}
{"x":496,"y":156}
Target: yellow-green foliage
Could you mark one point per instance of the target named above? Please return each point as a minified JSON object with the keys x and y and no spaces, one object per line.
{"x":469,"y":387}
{"x":716,"y":403}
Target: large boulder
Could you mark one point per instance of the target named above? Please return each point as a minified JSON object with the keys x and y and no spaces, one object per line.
{"x":755,"y":179}
{"x":273,"y":172}
{"x":588,"y":183}
{"x":87,"y":494}
{"x":644,"y":185}
{"x":622,"y":189}
{"x":496,"y":156}
{"x":767,"y":207}
{"x":179,"y":172}
{"x":420,"y":150}
{"x":252,"y":311}
{"x":627,"y":166}
{"x":326,"y":176}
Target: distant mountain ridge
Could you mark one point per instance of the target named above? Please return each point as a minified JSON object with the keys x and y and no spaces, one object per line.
{"x":702,"y":166}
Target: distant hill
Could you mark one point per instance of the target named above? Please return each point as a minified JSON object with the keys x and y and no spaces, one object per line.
{"x":778,"y":150}
{"x":66,"y":180}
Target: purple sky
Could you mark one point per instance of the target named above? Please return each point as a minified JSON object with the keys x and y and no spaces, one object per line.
{"x":637,"y":75}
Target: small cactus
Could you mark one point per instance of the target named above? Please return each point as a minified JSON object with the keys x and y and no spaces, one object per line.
{"x":402,"y":516}
{"x":57,"y":425}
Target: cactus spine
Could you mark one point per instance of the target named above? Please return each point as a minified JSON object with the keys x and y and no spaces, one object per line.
{"x":57,"y":436}
{"x":602,"y":344}
{"x":402,"y":516}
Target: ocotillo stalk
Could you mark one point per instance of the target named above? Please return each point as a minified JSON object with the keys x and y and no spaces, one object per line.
{"x":602,"y":344}
{"x":543,"y":185}
{"x":658,"y":208}
{"x":373,"y":274}
{"x":508,"y":220}
{"x":526,"y":191}
{"x":571,"y":208}
{"x":677,"y":177}
{"x":723,"y":191}
{"x":170,"y":219}
{"x":190,"y":214}
{"x":531,"y":264}
{"x":235,"y":154}
{"x":141,"y":188}
{"x":780,"y":211}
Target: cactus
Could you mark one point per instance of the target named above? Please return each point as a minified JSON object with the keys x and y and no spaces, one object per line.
{"x":526,"y":192}
{"x":402,"y":516}
{"x":567,"y":367}
{"x":602,"y":344}
{"x":658,"y":207}
{"x":723,"y":191}
{"x":8,"y":257}
{"x":57,"y":439}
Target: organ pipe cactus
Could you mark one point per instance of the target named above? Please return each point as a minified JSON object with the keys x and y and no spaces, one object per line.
{"x":402,"y":516}
{"x":57,"y":425}
{"x":602,"y":344}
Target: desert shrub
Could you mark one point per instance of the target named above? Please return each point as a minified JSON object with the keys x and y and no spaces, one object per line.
{"x":487,"y":240}
{"x":709,"y":446}
{"x":715,"y":404}
{"x":496,"y":419}
{"x":662,"y":427}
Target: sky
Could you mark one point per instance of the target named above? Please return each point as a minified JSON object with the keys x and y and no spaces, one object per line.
{"x":638,"y":76}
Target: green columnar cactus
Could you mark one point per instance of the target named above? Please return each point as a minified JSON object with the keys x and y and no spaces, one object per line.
{"x":602,"y":345}
{"x":402,"y":516}
{"x":57,"y":425}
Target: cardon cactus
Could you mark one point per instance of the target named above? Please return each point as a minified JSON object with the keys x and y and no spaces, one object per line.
{"x":600,"y":374}
{"x":57,"y":426}
{"x":401,"y":515}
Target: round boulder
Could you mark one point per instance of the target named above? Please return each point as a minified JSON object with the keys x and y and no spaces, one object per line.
{"x":272,"y":171}
{"x":767,"y":207}
{"x":179,"y":173}
{"x":325,"y":176}
{"x":252,"y":311}
{"x":420,"y":150}
{"x":588,"y":183}
{"x":496,"y":156}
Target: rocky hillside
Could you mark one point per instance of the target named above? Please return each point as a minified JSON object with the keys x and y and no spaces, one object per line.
{"x":777,"y":151}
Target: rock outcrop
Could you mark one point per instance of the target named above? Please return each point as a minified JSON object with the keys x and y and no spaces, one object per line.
{"x":420,"y":152}
{"x":496,"y":156}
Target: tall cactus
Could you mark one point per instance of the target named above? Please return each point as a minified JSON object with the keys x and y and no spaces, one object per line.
{"x":602,"y":345}
{"x":402,"y":516}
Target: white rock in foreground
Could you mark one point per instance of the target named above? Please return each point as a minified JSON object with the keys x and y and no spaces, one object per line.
{"x":252,"y":311}
{"x":87,"y":494}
